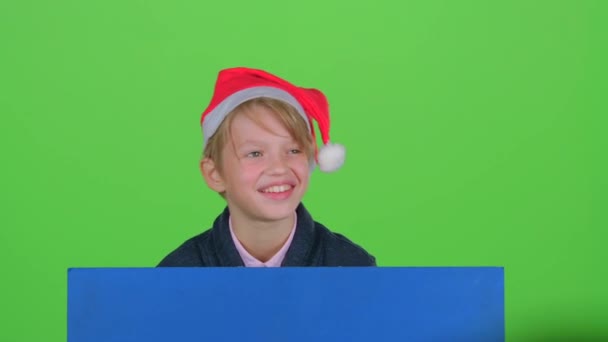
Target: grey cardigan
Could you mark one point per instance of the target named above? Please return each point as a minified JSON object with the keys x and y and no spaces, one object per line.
{"x":312,"y":245}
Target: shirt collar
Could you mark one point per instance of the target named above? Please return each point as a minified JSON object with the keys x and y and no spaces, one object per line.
{"x":298,"y":253}
{"x":251,"y":261}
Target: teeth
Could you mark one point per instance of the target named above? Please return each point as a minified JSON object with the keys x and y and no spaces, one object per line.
{"x":277,"y":188}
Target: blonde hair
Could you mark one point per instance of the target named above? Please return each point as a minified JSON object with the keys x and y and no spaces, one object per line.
{"x":287,"y":115}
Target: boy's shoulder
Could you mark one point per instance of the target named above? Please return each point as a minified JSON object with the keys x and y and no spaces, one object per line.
{"x":191,"y":253}
{"x":340,"y":250}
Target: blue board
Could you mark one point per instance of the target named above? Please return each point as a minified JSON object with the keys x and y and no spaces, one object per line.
{"x":286,"y":304}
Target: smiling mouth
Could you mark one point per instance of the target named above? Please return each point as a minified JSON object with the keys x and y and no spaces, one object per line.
{"x":277,"y":189}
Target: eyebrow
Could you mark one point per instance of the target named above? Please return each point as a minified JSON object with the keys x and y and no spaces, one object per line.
{"x":251,"y":142}
{"x":261,"y":142}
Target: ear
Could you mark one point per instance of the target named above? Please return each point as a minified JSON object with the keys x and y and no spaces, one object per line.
{"x":212,"y":175}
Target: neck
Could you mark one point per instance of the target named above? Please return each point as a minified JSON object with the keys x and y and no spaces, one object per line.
{"x":262,"y":239}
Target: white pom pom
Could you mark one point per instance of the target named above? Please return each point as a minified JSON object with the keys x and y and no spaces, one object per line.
{"x":331,"y":157}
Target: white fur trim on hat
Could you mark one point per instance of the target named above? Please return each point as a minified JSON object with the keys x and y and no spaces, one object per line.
{"x":213,"y":120}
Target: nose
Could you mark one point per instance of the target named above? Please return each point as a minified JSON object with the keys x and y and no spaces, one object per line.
{"x":277,"y":163}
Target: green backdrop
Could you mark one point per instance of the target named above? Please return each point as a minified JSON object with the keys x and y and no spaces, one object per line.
{"x":476,"y":135}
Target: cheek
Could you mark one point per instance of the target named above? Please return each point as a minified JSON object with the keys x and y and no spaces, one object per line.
{"x":249,"y":172}
{"x":238,"y":173}
{"x":302,"y":168}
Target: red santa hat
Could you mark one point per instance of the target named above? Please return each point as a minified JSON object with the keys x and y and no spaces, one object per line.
{"x":237,"y":85}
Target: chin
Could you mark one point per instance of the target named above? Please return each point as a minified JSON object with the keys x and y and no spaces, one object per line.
{"x":277,"y":213}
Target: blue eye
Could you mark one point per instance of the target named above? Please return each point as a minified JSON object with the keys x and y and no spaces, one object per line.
{"x":254,"y":154}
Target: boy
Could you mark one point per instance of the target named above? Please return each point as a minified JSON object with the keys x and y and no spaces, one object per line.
{"x":259,"y":151}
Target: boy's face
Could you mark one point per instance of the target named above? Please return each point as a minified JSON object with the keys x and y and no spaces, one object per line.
{"x":265,"y":173}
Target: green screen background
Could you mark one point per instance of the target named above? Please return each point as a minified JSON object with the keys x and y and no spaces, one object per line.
{"x":475,"y":135}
